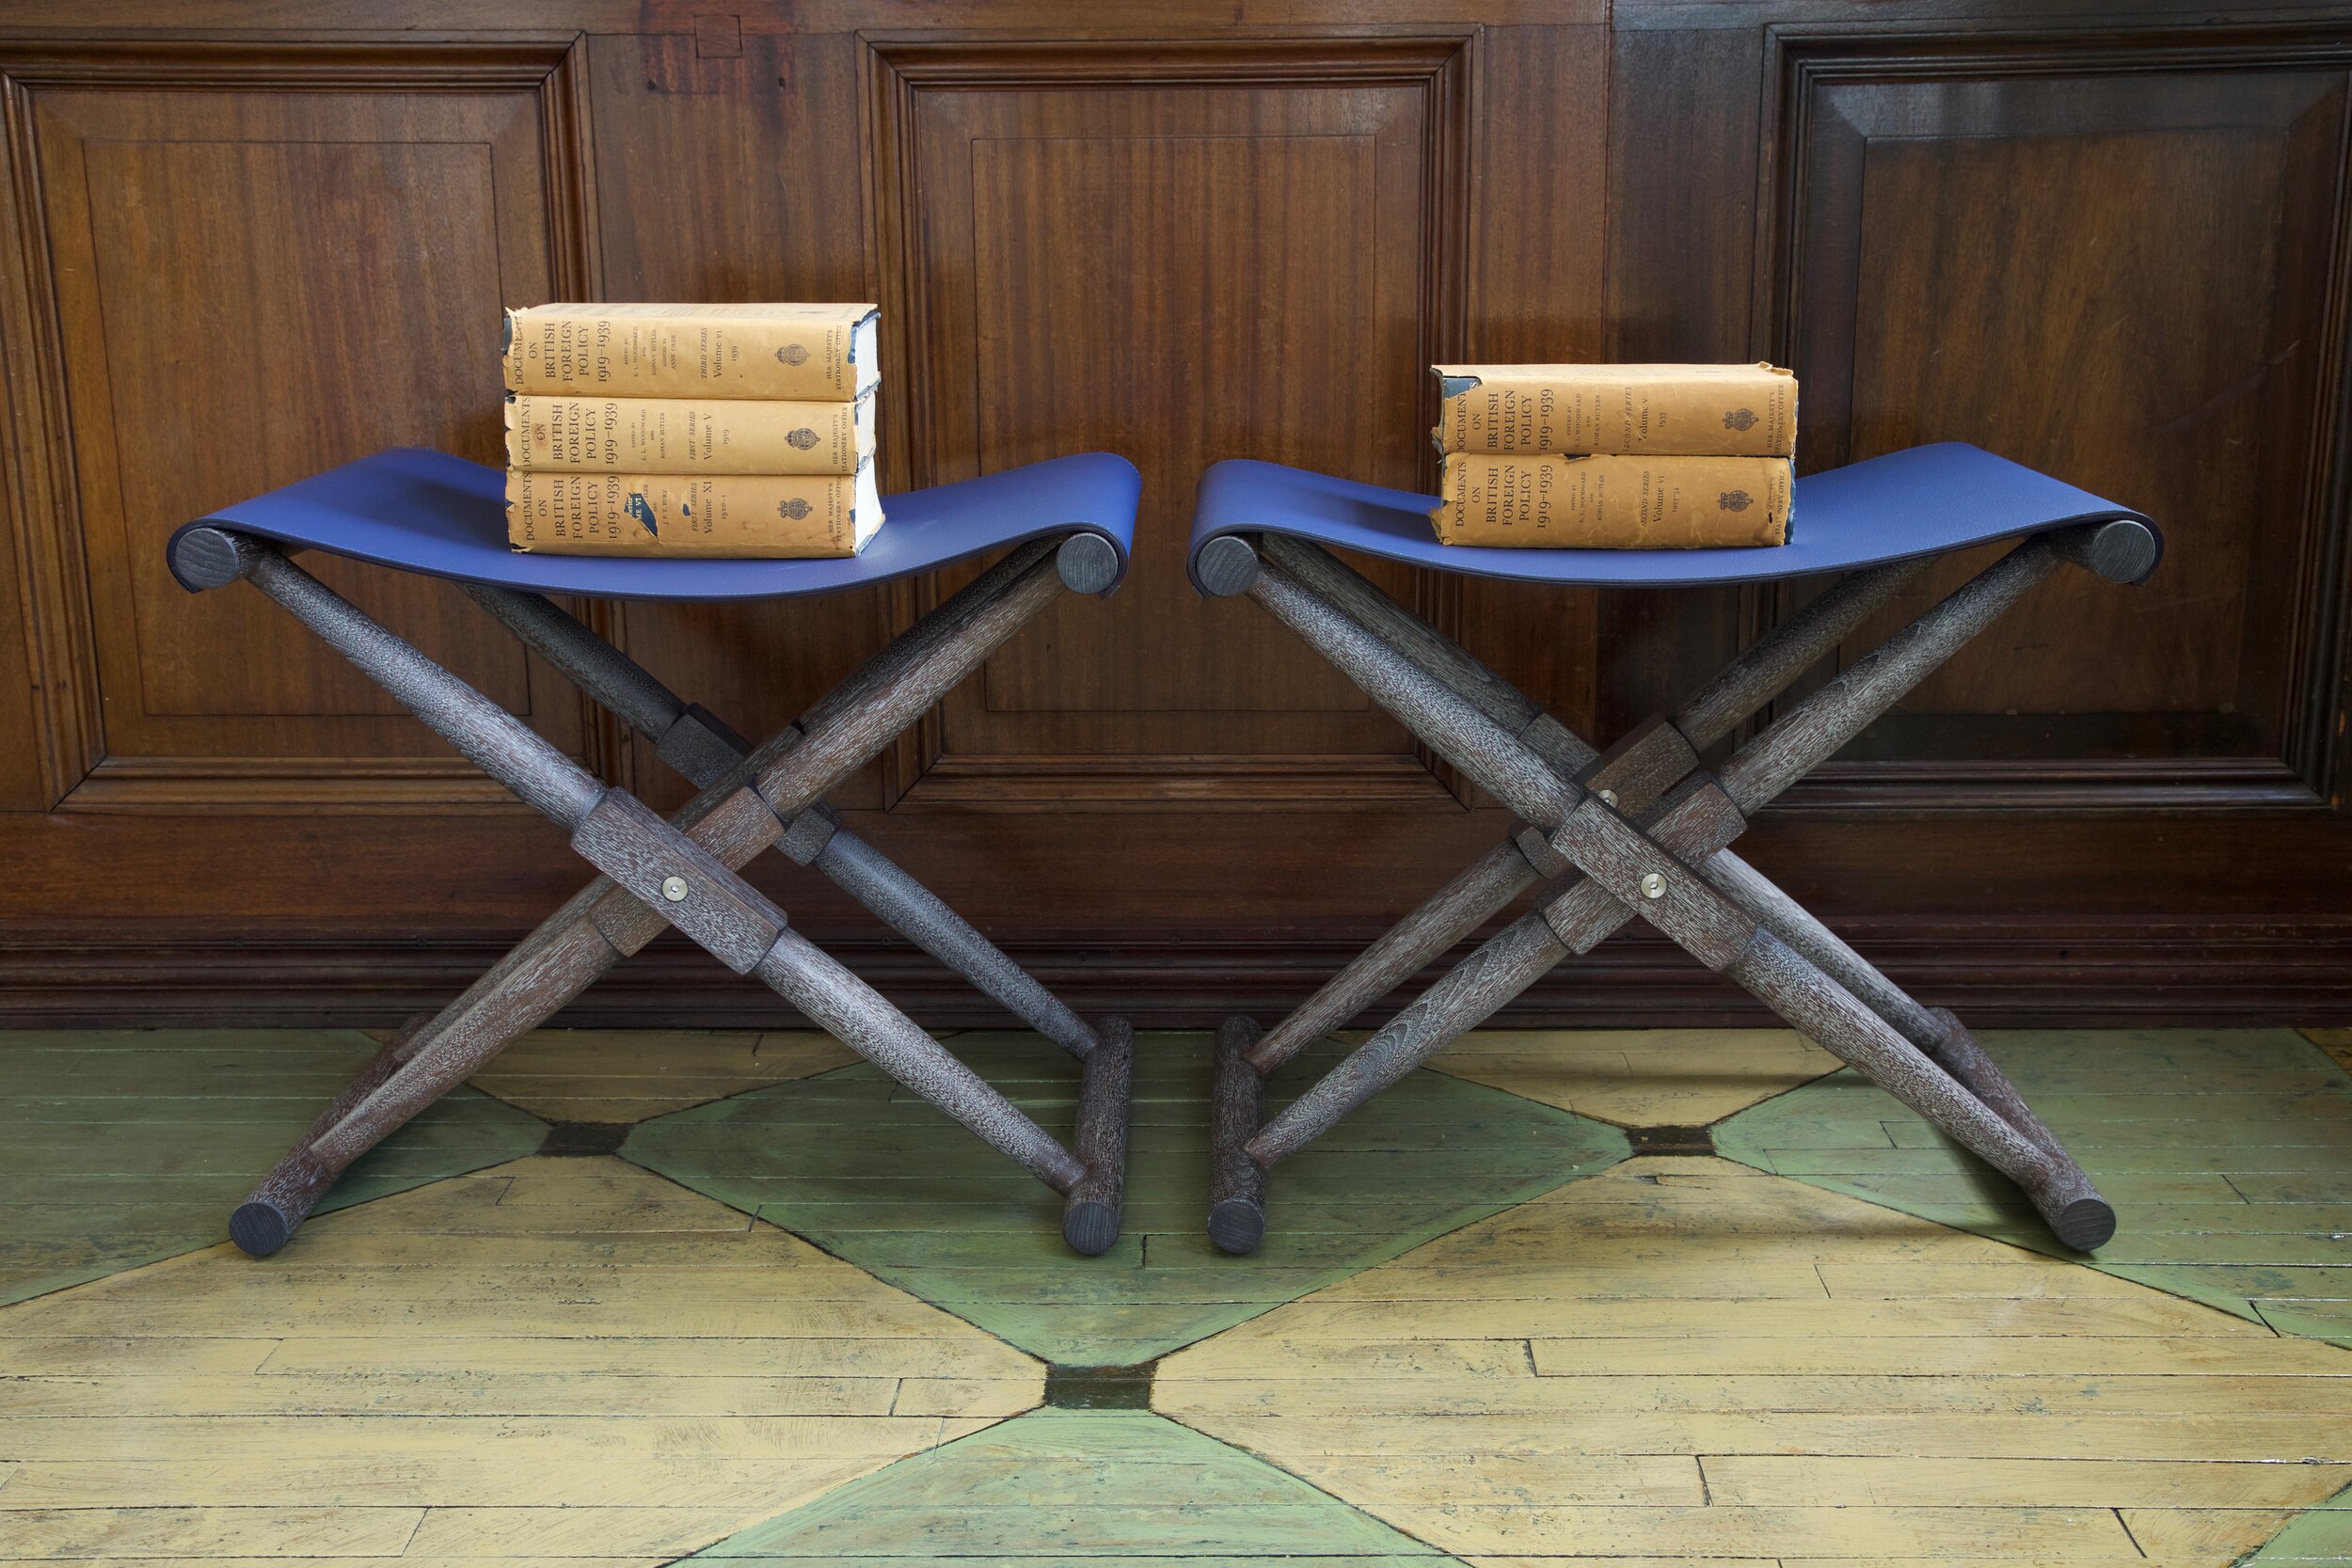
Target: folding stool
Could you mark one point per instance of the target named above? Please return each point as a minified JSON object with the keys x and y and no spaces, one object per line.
{"x":1070,"y":522}
{"x":1641,"y":828}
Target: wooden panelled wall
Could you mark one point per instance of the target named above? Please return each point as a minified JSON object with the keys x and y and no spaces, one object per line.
{"x":245,"y":239}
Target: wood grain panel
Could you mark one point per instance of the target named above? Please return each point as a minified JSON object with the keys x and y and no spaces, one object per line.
{"x":1072,"y":237}
{"x":1681,"y":239}
{"x":1536,"y":294}
{"x":1183,"y":255}
{"x":1187,"y":232}
{"x":2118,"y":271}
{"x":773,"y":210}
{"x":249,"y":285}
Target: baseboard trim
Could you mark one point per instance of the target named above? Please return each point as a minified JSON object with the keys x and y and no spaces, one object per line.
{"x":2007,"y":976}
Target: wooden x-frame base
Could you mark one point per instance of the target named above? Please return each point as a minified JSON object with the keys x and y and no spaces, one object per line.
{"x":1639,"y":830}
{"x":682,"y":873}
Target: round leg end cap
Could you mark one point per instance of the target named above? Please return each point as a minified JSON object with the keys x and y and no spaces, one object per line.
{"x":1237,"y":1226}
{"x":1091,"y":1227}
{"x":259,"y":1229}
{"x":2085,"y":1224}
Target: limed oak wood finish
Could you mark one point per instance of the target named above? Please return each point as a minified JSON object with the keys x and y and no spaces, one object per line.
{"x":240,"y":243}
{"x":681,"y":873}
{"x":1612,"y":844}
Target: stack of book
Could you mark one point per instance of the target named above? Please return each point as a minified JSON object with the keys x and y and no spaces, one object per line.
{"x":1633,"y":457}
{"x":702,"y":429}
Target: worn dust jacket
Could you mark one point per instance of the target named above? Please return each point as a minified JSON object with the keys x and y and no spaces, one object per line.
{"x":700,"y":515}
{"x":1613,"y":501}
{"x":811,"y":353}
{"x":1685,"y":410}
{"x":680,"y":435}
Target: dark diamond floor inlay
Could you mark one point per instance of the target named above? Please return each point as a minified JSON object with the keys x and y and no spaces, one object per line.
{"x":1099,"y":1387}
{"x":872,"y":1174}
{"x":579,"y":1139}
{"x":1671,"y":1140}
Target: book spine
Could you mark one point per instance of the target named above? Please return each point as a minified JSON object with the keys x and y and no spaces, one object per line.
{"x":1614,"y":502}
{"x":678,"y":436}
{"x":582,"y":353}
{"x":1752,"y":415}
{"x":657,"y":515}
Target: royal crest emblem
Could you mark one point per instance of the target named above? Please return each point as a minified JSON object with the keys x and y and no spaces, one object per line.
{"x":803,"y":438}
{"x":1733,"y":500}
{"x":793,"y":354}
{"x":793,"y":508}
{"x":1739,"y":419}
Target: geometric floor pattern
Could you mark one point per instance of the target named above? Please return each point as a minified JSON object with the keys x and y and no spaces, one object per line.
{"x":551,"y":1359}
{"x":2227,"y":1154}
{"x":1078,"y":1486}
{"x":611,"y":1076}
{"x":1685,"y":1358}
{"x":1638,"y":1077}
{"x":876,"y":1175}
{"x":1482,"y":1330}
{"x":119,"y":1148}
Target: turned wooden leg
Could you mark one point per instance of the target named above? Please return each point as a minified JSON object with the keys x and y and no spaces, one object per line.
{"x":1236,"y":1181}
{"x":735,"y":818}
{"x":2087,"y":1220}
{"x":1505,"y":966}
{"x":2084,"y":1220}
{"x":1583,"y":908}
{"x":1810,"y":1001}
{"x":1090,"y":1210}
{"x":1450,"y":915}
{"x":695,"y":742}
{"x":267,"y":1219}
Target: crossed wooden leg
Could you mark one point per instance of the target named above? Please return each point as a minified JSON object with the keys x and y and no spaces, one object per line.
{"x":682,"y":872}
{"x":1615,"y":835}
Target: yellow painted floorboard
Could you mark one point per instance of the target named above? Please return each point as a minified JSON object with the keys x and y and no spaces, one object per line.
{"x":629,"y":1075}
{"x":1685,"y":1356}
{"x":1638,"y":1077}
{"x":634,"y":1373}
{"x":1682,"y":1362}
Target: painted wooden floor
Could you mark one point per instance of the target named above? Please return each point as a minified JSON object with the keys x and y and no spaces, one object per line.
{"x":2224,"y":1149}
{"x":1684,"y":1358}
{"x":121,"y":1148}
{"x":1490,"y":1334}
{"x":870,"y":1172}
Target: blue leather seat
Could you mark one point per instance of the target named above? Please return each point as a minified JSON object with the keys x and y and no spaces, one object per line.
{"x":1922,"y":501}
{"x":441,"y":515}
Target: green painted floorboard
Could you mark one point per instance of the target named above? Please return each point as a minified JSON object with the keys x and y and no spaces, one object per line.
{"x":1095,"y":1487}
{"x":2227,"y":1154}
{"x":2320,"y":1535}
{"x":121,"y":1148}
{"x":850,"y":1161}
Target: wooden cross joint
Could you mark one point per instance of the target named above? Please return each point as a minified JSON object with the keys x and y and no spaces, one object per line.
{"x":679,"y":881}
{"x":699,"y":746}
{"x":806,"y":836}
{"x":1643,"y":764}
{"x":1641,"y":876}
{"x":1542,"y":857}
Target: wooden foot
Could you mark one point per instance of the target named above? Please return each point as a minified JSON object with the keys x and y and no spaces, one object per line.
{"x":1815,"y":1004}
{"x":267,"y":1219}
{"x":2078,"y":1216}
{"x":1091,"y":1210}
{"x":1236,"y":1182}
